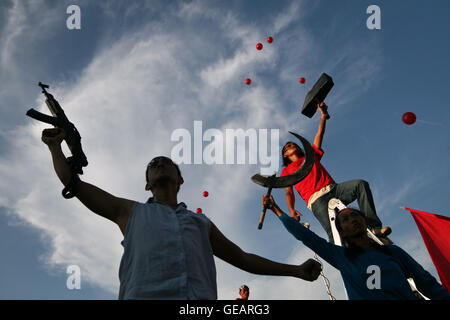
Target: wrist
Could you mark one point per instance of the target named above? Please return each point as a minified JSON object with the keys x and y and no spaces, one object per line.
{"x":54,"y":148}
{"x":296,"y":271}
{"x":277,"y":210}
{"x":300,"y":272}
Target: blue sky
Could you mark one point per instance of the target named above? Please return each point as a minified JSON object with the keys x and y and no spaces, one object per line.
{"x":138,"y":70}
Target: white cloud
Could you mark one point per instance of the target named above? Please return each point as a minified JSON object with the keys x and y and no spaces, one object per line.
{"x":287,"y":16}
{"x":125,"y":104}
{"x":26,"y":22}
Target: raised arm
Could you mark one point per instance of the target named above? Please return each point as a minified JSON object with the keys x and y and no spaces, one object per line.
{"x":95,"y":199}
{"x":328,"y":251}
{"x":231,"y":253}
{"x":321,"y":130}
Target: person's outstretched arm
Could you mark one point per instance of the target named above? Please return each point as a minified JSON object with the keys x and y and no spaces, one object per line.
{"x":321,"y":130}
{"x":231,"y":253}
{"x":328,"y":251}
{"x":425,"y":282}
{"x":95,"y":199}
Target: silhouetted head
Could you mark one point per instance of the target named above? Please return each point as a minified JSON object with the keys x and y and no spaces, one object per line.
{"x":244,"y":292}
{"x":162,"y":171}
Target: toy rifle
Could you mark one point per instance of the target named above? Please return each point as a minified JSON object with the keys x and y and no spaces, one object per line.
{"x":78,"y":159}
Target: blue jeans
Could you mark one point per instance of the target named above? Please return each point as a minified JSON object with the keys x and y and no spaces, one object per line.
{"x":347,"y":192}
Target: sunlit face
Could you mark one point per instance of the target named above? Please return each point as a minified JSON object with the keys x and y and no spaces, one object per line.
{"x":290,"y":149}
{"x":352,"y":223}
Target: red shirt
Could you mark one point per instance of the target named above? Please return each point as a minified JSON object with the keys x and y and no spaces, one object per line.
{"x":315,"y":180}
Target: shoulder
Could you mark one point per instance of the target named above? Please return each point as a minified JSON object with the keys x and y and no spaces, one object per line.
{"x":199,"y":216}
{"x":394,"y":249}
{"x":198,"y":219}
{"x":318,"y":151}
{"x":126,"y":211}
{"x":398,"y":253}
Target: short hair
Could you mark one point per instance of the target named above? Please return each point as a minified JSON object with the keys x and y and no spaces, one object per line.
{"x":148,"y":168}
{"x":243,"y":287}
{"x":286,"y":160}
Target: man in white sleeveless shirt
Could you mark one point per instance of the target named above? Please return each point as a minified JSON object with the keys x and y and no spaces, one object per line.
{"x":168,"y":250}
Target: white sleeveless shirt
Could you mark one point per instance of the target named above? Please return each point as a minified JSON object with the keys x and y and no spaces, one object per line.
{"x":167,"y":254}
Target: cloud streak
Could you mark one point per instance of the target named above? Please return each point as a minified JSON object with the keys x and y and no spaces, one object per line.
{"x":127,"y":102}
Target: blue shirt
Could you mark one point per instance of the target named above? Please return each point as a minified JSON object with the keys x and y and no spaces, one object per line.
{"x":394,"y":269}
{"x":167,"y":254}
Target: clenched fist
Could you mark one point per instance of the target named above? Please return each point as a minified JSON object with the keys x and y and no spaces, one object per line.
{"x":310,"y":270}
{"x":53,"y":137}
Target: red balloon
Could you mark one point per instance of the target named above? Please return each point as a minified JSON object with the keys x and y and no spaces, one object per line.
{"x":205,"y":193}
{"x":248,"y":81}
{"x":259,"y":46}
{"x":199,"y":210}
{"x":409,"y":118}
{"x":269,"y":39}
{"x":302,"y":80}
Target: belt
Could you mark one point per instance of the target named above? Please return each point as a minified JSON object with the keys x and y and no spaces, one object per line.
{"x":316,"y":195}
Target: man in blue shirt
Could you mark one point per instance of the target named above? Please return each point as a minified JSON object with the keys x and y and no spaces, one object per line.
{"x":369,"y":271}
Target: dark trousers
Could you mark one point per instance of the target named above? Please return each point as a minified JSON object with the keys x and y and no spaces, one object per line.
{"x":347,"y":192}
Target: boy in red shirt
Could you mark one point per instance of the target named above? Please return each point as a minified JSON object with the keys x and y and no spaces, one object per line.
{"x":319,"y":187}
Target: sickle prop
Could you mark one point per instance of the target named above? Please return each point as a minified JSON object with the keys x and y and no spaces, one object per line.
{"x":293,"y":178}
{"x":290,"y":180}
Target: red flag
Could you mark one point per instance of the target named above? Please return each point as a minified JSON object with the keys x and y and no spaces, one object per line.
{"x":435,"y":231}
